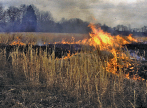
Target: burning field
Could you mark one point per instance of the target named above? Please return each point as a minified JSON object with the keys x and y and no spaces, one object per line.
{"x":98,"y":70}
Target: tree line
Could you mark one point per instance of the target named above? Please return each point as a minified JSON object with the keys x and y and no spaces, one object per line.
{"x":27,"y":18}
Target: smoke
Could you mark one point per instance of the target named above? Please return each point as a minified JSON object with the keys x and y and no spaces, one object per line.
{"x":109,"y":12}
{"x":134,"y":55}
{"x":72,"y":9}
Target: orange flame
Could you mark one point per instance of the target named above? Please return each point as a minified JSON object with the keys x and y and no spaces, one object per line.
{"x":17,"y":42}
{"x":104,"y":41}
{"x":132,"y":39}
{"x":111,"y":43}
{"x":72,"y":41}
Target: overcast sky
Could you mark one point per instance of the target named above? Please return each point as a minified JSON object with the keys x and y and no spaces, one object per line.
{"x":109,"y":12}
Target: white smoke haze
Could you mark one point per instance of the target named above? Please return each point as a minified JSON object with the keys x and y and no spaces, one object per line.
{"x":109,"y":12}
{"x":133,"y":55}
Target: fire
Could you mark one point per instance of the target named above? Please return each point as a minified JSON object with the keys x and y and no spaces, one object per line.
{"x":17,"y":42}
{"x":72,"y":41}
{"x":112,"y":44}
{"x":132,"y":39}
{"x":99,"y":37}
{"x":104,"y":42}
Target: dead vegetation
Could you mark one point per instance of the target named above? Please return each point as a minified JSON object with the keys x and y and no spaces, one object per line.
{"x":82,"y":80}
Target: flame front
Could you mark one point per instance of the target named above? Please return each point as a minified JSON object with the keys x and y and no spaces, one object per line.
{"x":17,"y":42}
{"x":99,"y":37}
{"x":103,"y":41}
{"x":113,"y":44}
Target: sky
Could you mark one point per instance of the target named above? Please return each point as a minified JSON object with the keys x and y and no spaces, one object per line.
{"x":109,"y":12}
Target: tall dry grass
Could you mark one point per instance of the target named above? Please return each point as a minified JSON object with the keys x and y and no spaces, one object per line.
{"x":83,"y":76}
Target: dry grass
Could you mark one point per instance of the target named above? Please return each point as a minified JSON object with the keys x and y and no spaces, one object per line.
{"x":79,"y":81}
{"x":44,"y":37}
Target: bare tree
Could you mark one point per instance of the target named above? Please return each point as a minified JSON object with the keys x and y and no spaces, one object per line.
{"x":13,"y":13}
{"x":1,"y":12}
{"x":45,"y":22}
{"x":29,"y":20}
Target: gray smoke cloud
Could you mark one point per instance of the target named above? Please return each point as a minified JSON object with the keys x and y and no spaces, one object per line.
{"x":109,"y":12}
